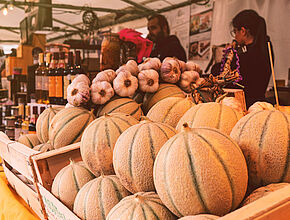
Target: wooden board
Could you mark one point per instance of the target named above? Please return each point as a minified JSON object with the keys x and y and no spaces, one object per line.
{"x":47,"y":165}
{"x":239,"y":95}
{"x":274,"y":206}
{"x":26,"y":192}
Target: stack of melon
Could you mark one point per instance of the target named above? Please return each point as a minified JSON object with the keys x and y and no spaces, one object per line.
{"x":206,"y":165}
{"x":57,"y":127}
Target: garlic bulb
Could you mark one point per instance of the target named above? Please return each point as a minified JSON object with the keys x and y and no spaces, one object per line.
{"x":68,"y":105}
{"x":125,"y":84}
{"x":170,"y":70}
{"x":150,"y":63}
{"x":101,"y":92}
{"x":121,"y":69}
{"x":132,"y":67}
{"x":190,"y":65}
{"x":78,"y":93}
{"x":182,"y":65}
{"x":82,"y":78}
{"x":107,"y":75}
{"x":186,"y":79}
{"x":148,"y":80}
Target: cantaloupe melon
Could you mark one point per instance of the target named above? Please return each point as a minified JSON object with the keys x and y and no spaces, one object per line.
{"x":69,"y":180}
{"x":200,"y":170}
{"x":141,"y":206}
{"x":264,"y":137}
{"x":99,"y":138}
{"x":43,"y":121}
{"x":263,"y":191}
{"x":30,"y":140}
{"x":211,"y":114}
{"x":258,"y":106}
{"x":165,"y":90}
{"x":44,"y":147}
{"x":200,"y":217}
{"x":98,"y":197}
{"x":135,"y":152}
{"x":68,"y":125}
{"x":170,"y":110}
{"x":124,"y":105}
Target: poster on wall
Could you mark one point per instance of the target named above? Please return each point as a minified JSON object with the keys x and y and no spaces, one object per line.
{"x":200,"y":25}
{"x":178,"y":21}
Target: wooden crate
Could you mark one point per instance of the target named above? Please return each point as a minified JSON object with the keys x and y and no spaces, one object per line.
{"x":17,"y":156}
{"x":274,"y":206}
{"x":47,"y":165}
{"x":239,"y":95}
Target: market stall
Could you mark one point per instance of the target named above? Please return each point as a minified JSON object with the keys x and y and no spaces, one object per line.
{"x":111,"y":115}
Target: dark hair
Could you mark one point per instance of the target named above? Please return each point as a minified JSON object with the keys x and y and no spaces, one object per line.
{"x":254,"y":23}
{"x":162,"y":21}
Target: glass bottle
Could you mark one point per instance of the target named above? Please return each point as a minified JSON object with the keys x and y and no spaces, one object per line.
{"x":77,"y":67}
{"x":67,"y":74}
{"x":45,"y":81}
{"x":32,"y":122}
{"x":25,"y":122}
{"x":59,"y":72}
{"x":51,"y":78}
{"x":38,"y":78}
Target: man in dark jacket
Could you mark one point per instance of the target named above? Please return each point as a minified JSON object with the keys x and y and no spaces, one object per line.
{"x":165,"y":45}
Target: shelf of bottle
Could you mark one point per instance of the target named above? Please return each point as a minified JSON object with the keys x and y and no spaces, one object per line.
{"x":39,"y":105}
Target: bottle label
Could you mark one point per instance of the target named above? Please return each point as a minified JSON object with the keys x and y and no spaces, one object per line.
{"x":45,"y":83}
{"x":58,"y":86}
{"x":51,"y":86}
{"x":38,"y":82}
{"x":66,"y":82}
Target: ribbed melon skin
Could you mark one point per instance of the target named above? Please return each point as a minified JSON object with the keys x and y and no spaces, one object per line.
{"x":264,"y":137}
{"x":200,"y":217}
{"x":263,"y":191}
{"x":135,"y":152}
{"x":124,"y":105}
{"x":170,"y":110}
{"x":68,"y":125}
{"x":97,"y":197}
{"x":30,"y":140}
{"x":141,"y":206}
{"x":211,"y":114}
{"x":69,"y":180}
{"x":43,"y":121}
{"x":165,"y":90}
{"x":44,"y":147}
{"x":200,"y":170}
{"x":99,"y":138}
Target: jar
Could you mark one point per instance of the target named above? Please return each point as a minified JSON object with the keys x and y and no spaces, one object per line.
{"x":9,"y":121}
{"x":9,"y":131}
{"x":110,"y":52}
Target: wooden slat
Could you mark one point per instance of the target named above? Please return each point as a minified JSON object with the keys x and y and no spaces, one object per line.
{"x":48,"y":164}
{"x":274,"y":206}
{"x":25,"y":192}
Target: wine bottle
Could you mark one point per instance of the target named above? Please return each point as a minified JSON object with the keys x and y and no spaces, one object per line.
{"x":45,"y":81}
{"x":59,"y":72}
{"x":38,"y":78}
{"x":68,"y":72}
{"x":51,"y":78}
{"x":77,"y":67}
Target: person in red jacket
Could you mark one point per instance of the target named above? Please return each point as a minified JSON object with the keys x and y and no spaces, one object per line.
{"x":165,"y":45}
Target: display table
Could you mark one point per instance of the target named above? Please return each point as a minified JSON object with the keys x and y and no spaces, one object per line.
{"x":11,"y":205}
